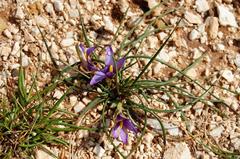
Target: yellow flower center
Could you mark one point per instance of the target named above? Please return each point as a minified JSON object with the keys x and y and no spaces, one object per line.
{"x":85,"y":55}
{"x":121,"y":124}
{"x":111,"y":68}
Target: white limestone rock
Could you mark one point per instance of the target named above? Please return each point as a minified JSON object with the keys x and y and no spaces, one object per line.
{"x":216,"y":132}
{"x":49,"y":9}
{"x":202,"y":5}
{"x":57,"y":94}
{"x":219,"y":47}
{"x":99,"y":150}
{"x":226,"y":18}
{"x":171,"y":129}
{"x":67,"y":42}
{"x":213,"y":26}
{"x":237,"y":60}
{"x":7,"y":33}
{"x":108,"y":24}
{"x":194,"y":34}
{"x":179,"y":151}
{"x":193,"y":18}
{"x":16,"y":49}
{"x":58,"y":5}
{"x":19,"y":13}
{"x":154,"y":3}
{"x":25,"y":60}
{"x":79,"y":106}
{"x":228,"y":75}
{"x":41,"y":21}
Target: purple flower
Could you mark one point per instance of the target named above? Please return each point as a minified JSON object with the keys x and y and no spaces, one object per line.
{"x":110,"y":68}
{"x":121,"y":127}
{"x":84,"y":55}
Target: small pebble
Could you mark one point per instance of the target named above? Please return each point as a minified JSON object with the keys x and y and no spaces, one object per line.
{"x":216,"y":132}
{"x":226,"y":18}
{"x":49,"y":8}
{"x":41,"y":21}
{"x":57,"y":94}
{"x":219,"y":47}
{"x":19,"y":13}
{"x":237,"y":60}
{"x":179,"y":151}
{"x":67,"y":42}
{"x":79,"y":106}
{"x":202,"y":5}
{"x":58,"y":5}
{"x":108,"y":24}
{"x":194,"y":34}
{"x":193,"y":18}
{"x":98,"y":150}
{"x":228,"y":75}
{"x":213,"y":26}
{"x":7,"y":33}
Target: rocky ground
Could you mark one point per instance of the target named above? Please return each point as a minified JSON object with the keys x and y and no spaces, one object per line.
{"x":208,"y":27}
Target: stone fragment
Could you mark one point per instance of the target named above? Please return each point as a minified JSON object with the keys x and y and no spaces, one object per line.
{"x":193,"y":18}
{"x":172,"y":129}
{"x":226,"y":18}
{"x":148,"y":139}
{"x":216,"y":132}
{"x":7,"y":33}
{"x":98,"y":150}
{"x":58,"y":5}
{"x":228,"y":75}
{"x":192,"y":73}
{"x":196,"y":53}
{"x":194,"y":34}
{"x":152,"y":42}
{"x":5,"y":52}
{"x":213,"y":26}
{"x":164,"y":56}
{"x":40,"y":154}
{"x":153,"y":3}
{"x":41,"y":21}
{"x":162,"y":36}
{"x":28,"y":37}
{"x":57,"y":94}
{"x":179,"y":151}
{"x":123,"y":4}
{"x":25,"y":60}
{"x":16,"y":49}
{"x":237,"y":60}
{"x":202,"y":5}
{"x":109,"y":26}
{"x":67,"y":42}
{"x":19,"y":13}
{"x":82,"y":134}
{"x":79,"y":106}
{"x":219,"y":47}
{"x":49,"y":9}
{"x":73,"y":13}
{"x":3,"y":24}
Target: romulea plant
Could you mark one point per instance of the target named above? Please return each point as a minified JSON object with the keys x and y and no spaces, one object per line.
{"x":123,"y":97}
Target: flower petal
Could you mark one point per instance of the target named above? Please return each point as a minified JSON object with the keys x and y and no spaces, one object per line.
{"x":120,"y":118}
{"x":90,"y":50}
{"x":82,"y":48}
{"x":115,"y":131}
{"x":123,"y":136}
{"x":120,"y":63}
{"x":91,"y":67}
{"x":98,"y":77}
{"x":109,"y":56}
{"x":82,"y":54}
{"x":128,"y":124}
